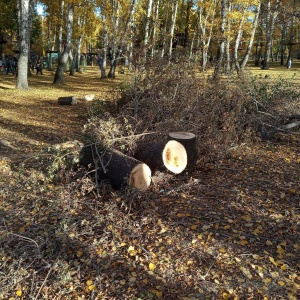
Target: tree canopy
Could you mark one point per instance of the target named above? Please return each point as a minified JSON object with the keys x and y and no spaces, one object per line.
{"x":227,"y":32}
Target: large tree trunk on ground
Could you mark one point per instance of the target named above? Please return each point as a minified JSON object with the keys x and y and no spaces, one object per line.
{"x":189,"y":141}
{"x":160,"y":156}
{"x":116,"y":168}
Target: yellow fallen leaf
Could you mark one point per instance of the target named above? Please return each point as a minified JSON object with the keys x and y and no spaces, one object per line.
{"x":131,"y":251}
{"x":89,"y":282}
{"x":280,"y":250}
{"x":281,"y":283}
{"x":91,"y":287}
{"x":157,"y":293}
{"x":273,"y":261}
{"x":284,"y":267}
{"x":152,"y":266}
{"x":19,"y":293}
{"x":291,"y":296}
{"x":79,"y":253}
{"x":226,"y":296}
{"x":194,"y":227}
{"x":244,"y":242}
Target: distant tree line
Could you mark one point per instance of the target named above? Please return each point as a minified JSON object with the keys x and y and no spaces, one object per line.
{"x":223,"y":34}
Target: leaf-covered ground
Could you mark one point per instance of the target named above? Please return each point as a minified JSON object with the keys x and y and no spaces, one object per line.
{"x":228,"y":230}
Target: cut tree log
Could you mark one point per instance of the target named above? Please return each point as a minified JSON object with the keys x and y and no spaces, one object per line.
{"x":67,"y":100}
{"x":116,"y":168}
{"x":170,"y":155}
{"x":90,"y":97}
{"x":189,"y":141}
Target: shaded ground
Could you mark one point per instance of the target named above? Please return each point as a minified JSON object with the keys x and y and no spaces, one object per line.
{"x":228,"y":230}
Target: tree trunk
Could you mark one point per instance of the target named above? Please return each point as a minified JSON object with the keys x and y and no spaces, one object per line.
{"x":60,"y":30}
{"x":170,"y":155}
{"x":221,"y":51}
{"x":249,"y":47}
{"x":22,"y":80}
{"x":105,"y":46}
{"x":67,"y":100}
{"x":116,"y":168}
{"x":59,"y":74}
{"x":155,"y":33}
{"x":174,"y":15}
{"x":189,"y":141}
{"x":147,"y":25}
{"x":271,"y":16}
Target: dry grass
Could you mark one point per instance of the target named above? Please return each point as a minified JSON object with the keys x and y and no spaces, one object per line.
{"x":32,"y":119}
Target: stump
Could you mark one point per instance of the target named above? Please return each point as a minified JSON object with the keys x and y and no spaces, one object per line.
{"x":189,"y":141}
{"x":170,"y":155}
{"x":116,"y":168}
{"x":67,"y":100}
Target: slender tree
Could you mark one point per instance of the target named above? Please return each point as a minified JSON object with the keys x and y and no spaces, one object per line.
{"x":221,"y":50}
{"x":172,"y":27}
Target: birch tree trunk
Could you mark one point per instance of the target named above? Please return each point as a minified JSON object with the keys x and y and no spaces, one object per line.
{"x":164,"y":32}
{"x":252,"y":35}
{"x":114,"y":50}
{"x":147,"y":25}
{"x":205,"y":34}
{"x":270,"y":22}
{"x":220,"y":58}
{"x":172,"y":28}
{"x":238,"y":40}
{"x":59,"y":74}
{"x":105,"y":46}
{"x":24,"y":33}
{"x":156,"y":22}
{"x":60,"y":29}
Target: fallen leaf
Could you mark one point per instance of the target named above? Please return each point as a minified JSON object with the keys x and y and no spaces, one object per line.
{"x":152,"y":266}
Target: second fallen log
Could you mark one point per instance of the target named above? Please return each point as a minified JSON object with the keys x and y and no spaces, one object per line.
{"x":189,"y":141}
{"x":116,"y":168}
{"x":67,"y":100}
{"x":170,"y":155}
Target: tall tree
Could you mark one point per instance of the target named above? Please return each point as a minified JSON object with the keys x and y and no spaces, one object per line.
{"x":172,"y":27}
{"x":271,"y":14}
{"x":147,"y":25}
{"x":206,"y":19}
{"x":247,"y":28}
{"x":221,"y":50}
{"x":59,"y":74}
{"x":24,"y":42}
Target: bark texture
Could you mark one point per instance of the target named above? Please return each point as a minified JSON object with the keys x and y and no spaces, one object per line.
{"x":67,"y":100}
{"x":116,"y":168}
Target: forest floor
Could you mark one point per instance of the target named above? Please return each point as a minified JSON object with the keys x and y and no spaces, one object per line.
{"x":228,"y":230}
